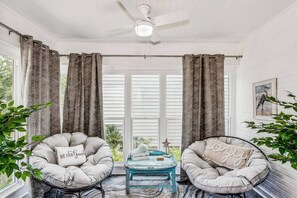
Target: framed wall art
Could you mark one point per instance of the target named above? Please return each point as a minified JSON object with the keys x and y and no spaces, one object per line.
{"x":261,"y":108}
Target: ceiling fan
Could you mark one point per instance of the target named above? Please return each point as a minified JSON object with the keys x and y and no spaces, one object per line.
{"x":146,"y":25}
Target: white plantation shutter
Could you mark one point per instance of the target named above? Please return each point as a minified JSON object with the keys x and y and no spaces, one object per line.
{"x":174,"y":131}
{"x":148,"y":129}
{"x":145,"y":96}
{"x":227,"y":104}
{"x":114,"y":100}
{"x":145,"y":107}
{"x":113,"y":96}
{"x":114,"y":106}
{"x":174,"y":86}
{"x":174,"y":95}
{"x":119,"y":123}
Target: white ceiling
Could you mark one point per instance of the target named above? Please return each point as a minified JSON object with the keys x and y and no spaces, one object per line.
{"x":210,"y":20}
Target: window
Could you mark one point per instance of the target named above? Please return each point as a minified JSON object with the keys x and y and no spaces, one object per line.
{"x":114,"y":113}
{"x":6,"y":94}
{"x":142,"y":108}
{"x":174,"y":87}
{"x":227,"y":104}
{"x":147,"y":108}
{"x":63,"y":83}
{"x":6,"y":78}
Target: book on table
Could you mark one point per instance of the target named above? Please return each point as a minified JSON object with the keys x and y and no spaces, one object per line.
{"x":140,"y":156}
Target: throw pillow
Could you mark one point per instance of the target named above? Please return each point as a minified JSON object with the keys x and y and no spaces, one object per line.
{"x":226,"y":155}
{"x":71,"y":156}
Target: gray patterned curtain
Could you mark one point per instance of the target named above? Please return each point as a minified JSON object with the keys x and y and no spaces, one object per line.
{"x":83,"y":97}
{"x":40,"y":68}
{"x":41,"y":84}
{"x":203,"y":98}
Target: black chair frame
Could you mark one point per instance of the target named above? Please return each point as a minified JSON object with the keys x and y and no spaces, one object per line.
{"x":78,"y":192}
{"x":240,"y":195}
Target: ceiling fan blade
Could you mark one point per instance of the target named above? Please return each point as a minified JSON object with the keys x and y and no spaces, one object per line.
{"x":119,"y":30}
{"x":131,"y":8}
{"x":155,"y":38}
{"x":171,"y":18}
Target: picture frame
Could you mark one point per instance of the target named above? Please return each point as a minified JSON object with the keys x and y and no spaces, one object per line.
{"x":263,"y":110}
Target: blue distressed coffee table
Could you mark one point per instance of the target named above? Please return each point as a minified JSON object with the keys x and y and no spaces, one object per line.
{"x":150,"y":172}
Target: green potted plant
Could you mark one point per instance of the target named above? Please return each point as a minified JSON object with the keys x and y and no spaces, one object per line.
{"x":13,"y":151}
{"x":282,"y":131}
{"x":115,"y":140}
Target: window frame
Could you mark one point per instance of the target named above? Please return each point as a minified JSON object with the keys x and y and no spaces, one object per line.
{"x":158,"y":118}
{"x":13,"y":52}
{"x":162,"y":71}
{"x":167,"y":118}
{"x":128,"y":71}
{"x":230,"y":70}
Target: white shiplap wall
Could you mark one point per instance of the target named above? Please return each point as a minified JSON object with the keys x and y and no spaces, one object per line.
{"x":270,"y":52}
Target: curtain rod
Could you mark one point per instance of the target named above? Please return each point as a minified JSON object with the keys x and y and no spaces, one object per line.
{"x":11,"y":30}
{"x":149,"y":56}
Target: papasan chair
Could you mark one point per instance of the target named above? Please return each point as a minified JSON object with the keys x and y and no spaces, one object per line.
{"x":224,"y":165}
{"x":73,"y":180}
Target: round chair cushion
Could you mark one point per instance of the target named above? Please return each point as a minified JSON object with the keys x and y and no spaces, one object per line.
{"x":209,"y":177}
{"x":98,"y":166}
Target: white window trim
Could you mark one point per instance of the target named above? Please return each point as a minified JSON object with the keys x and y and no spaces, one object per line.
{"x":162,"y":110}
{"x":14,"y":53}
{"x":127,"y":145}
{"x":231,"y":72}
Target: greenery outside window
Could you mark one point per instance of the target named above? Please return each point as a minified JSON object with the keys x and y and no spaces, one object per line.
{"x":6,"y":94}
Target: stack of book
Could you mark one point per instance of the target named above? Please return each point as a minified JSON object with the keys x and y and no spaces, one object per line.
{"x":140,"y":153}
{"x":140,"y":156}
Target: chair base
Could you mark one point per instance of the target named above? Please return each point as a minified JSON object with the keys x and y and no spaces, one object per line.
{"x":55,"y":192}
{"x":239,"y":195}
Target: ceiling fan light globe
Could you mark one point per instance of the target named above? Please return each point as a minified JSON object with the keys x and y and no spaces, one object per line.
{"x":144,"y":28}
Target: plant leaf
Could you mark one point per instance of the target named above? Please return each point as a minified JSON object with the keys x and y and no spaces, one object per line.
{"x":3,"y":106}
{"x":28,"y":152}
{"x":38,"y":175}
{"x":11,"y":103}
{"x":37,"y":138}
{"x":281,"y":150}
{"x":8,"y":171}
{"x":18,"y":174}
{"x":21,"y":129}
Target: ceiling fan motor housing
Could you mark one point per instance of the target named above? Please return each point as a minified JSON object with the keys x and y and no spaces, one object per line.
{"x":145,"y":10}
